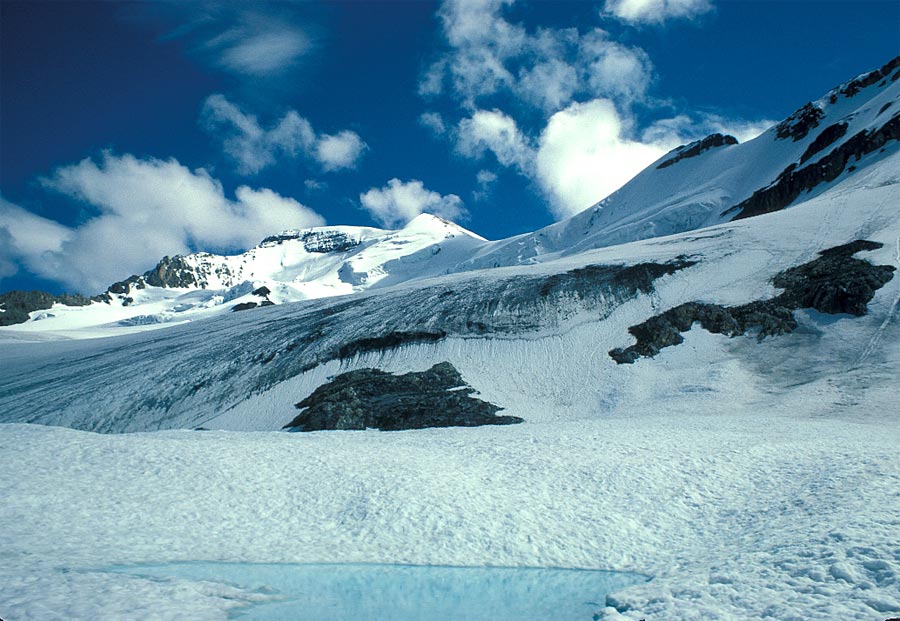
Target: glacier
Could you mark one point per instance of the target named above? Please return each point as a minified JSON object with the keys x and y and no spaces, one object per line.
{"x":751,"y":478}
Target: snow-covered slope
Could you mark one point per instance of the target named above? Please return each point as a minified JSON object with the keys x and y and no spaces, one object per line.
{"x":533,"y":338}
{"x":293,"y":265}
{"x":700,"y":184}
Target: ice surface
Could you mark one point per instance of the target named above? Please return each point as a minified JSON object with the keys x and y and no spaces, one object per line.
{"x":406,"y":592}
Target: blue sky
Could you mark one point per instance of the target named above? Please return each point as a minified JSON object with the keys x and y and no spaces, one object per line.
{"x":133,"y":130}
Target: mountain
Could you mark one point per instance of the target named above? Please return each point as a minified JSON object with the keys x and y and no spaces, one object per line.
{"x":290,"y":266}
{"x":717,"y":180}
{"x":707,"y":182}
{"x":695,"y":381}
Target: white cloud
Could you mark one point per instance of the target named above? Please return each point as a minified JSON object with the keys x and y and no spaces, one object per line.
{"x":584,"y":155}
{"x":339,"y":151}
{"x":494,"y":131}
{"x":253,"y":148}
{"x":547,"y":69}
{"x":251,"y":40}
{"x":558,"y":104}
{"x":433,"y":121}
{"x":28,"y":238}
{"x":486,"y":180}
{"x":145,"y":209}
{"x":264,"y":53}
{"x":656,"y":11}
{"x":682,"y":128}
{"x":399,"y":202}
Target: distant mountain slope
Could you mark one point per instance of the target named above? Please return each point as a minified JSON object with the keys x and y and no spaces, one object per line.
{"x":708,"y":182}
{"x":290,"y":266}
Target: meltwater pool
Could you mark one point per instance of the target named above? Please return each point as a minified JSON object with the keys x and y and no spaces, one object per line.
{"x":406,"y":592}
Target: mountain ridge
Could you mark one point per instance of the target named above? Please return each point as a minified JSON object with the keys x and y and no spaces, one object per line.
{"x":709,"y":181}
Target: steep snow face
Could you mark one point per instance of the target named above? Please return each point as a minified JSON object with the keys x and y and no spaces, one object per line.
{"x":293,"y":265}
{"x":698,"y":185}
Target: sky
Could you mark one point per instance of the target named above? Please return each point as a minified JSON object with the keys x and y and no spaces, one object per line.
{"x":134,"y":130}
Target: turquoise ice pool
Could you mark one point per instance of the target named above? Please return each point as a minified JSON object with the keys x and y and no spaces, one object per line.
{"x":407,"y":592}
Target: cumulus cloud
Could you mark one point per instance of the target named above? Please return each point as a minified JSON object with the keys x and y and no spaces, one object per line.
{"x":496,"y":132}
{"x":399,"y":202}
{"x":27,"y":238}
{"x":339,"y":151}
{"x":434,"y":122}
{"x":546,"y":69}
{"x":143,"y":208}
{"x":656,"y":11}
{"x":253,"y":147}
{"x":585,"y":154}
{"x":557,"y":105}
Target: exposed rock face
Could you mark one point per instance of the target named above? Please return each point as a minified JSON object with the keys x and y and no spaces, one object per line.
{"x":243,"y":306}
{"x":836,"y":282}
{"x":852,"y":87}
{"x":793,"y":181}
{"x":800,"y":123}
{"x":696,"y":148}
{"x":174,"y":272}
{"x":825,"y":138}
{"x":391,"y":340}
{"x":16,"y":305}
{"x":315,"y":241}
{"x":373,"y":399}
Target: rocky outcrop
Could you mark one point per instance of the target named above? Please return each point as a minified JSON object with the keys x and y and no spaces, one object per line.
{"x":793,"y":181}
{"x":172,"y":272}
{"x":800,"y":123}
{"x":852,"y":87}
{"x":374,"y":399}
{"x":697,"y":147}
{"x":391,"y":340}
{"x":825,"y":138}
{"x":315,"y":241}
{"x":15,"y":306}
{"x":243,"y":306}
{"x":835,"y":282}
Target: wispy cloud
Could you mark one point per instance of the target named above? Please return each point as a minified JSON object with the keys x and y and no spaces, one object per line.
{"x":256,"y":40}
{"x":656,"y":11}
{"x":253,"y":147}
{"x":143,"y":208}
{"x":263,"y":53}
{"x":398,"y":202}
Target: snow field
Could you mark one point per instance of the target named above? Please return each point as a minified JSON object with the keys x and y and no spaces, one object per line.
{"x":737,"y":514}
